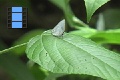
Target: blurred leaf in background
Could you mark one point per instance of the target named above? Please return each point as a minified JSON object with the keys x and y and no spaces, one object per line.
{"x":72,"y":20}
{"x":14,"y":66}
{"x":24,"y":39}
{"x":17,"y":69}
{"x":112,"y":18}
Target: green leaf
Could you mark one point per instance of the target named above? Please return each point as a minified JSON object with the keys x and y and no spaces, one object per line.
{"x":73,"y":21}
{"x":25,"y":38}
{"x":60,"y":3}
{"x":73,"y":54}
{"x":101,"y":37}
{"x":92,"y":6}
{"x":85,"y":32}
{"x":15,"y":67}
{"x":109,"y":36}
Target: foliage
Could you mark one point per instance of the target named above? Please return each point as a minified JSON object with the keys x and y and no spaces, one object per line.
{"x":25,"y":38}
{"x":73,"y":54}
{"x":78,"y":52}
{"x":92,"y":6}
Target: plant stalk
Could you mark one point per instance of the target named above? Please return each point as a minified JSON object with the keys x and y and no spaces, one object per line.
{"x":11,"y":48}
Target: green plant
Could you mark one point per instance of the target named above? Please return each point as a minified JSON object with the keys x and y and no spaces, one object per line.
{"x":74,"y":52}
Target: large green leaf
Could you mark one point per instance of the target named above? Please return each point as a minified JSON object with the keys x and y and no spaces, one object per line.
{"x":92,"y":6}
{"x":73,"y":54}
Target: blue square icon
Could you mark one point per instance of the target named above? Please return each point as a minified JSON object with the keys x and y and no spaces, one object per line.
{"x":16,"y":24}
{"x":16,"y":9}
{"x":16,"y":16}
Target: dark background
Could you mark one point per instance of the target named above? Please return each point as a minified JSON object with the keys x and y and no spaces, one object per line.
{"x":44,"y":15}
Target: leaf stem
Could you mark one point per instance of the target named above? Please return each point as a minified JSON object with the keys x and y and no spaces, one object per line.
{"x":11,"y":48}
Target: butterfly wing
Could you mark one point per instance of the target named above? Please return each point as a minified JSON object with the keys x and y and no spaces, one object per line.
{"x":59,"y":29}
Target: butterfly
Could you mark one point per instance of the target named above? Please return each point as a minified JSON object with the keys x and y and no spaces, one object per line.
{"x":59,"y":29}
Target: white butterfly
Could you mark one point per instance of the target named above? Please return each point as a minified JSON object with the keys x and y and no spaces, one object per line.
{"x":59,"y":29}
